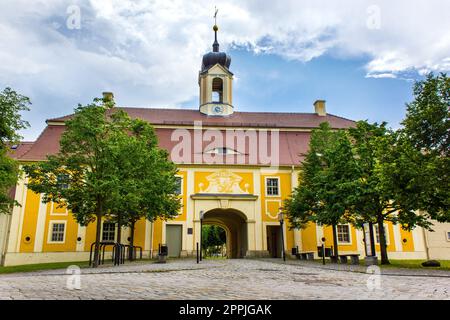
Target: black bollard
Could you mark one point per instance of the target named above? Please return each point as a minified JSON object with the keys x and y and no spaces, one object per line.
{"x":197,"y":253}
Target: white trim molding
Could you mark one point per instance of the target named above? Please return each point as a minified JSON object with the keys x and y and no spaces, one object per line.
{"x":50,"y":231}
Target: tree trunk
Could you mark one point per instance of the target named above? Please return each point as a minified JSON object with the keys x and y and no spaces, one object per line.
{"x":382,"y":236}
{"x":119,"y":229}
{"x":131,"y":251}
{"x":335,"y":241}
{"x":97,"y":240}
{"x":118,"y":252}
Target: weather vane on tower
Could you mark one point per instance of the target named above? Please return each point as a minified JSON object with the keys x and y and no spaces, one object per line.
{"x":215,"y":15}
{"x":215,"y":28}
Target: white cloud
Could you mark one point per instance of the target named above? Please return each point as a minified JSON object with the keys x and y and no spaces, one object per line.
{"x":149,"y":52}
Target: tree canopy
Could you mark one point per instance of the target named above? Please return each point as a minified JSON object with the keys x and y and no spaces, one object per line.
{"x":373,"y":174}
{"x":12,"y":105}
{"x":107,"y":164}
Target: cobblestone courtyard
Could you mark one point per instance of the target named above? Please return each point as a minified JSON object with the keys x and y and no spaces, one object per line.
{"x":222,"y":279}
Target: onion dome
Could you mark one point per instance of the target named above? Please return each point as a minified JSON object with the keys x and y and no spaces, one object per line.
{"x":214,"y":57}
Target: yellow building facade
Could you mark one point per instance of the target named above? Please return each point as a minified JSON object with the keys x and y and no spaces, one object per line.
{"x":235,"y":171}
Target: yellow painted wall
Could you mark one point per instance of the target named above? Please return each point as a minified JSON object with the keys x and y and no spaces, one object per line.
{"x":409,"y":244}
{"x":290,"y":241}
{"x":183,"y":197}
{"x":328,"y":234}
{"x":391,"y":245}
{"x":139,"y":233}
{"x":157,"y":233}
{"x":309,"y":238}
{"x":269,"y":210}
{"x":90,"y":235}
{"x":29,"y":221}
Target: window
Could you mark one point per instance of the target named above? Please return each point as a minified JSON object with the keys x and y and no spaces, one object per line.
{"x":377,"y":234}
{"x":272,"y":187}
{"x":448,"y":235}
{"x":57,"y":230}
{"x":179,"y":181}
{"x":343,"y":233}
{"x":217,"y":90}
{"x":109,"y":231}
{"x":62,"y":180}
{"x":222,"y":151}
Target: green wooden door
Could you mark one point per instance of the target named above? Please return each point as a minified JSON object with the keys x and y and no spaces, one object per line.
{"x":173,"y":239}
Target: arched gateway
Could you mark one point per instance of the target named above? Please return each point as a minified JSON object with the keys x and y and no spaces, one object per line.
{"x":234,"y":223}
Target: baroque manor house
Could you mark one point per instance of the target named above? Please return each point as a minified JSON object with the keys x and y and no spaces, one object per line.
{"x":238,"y":186}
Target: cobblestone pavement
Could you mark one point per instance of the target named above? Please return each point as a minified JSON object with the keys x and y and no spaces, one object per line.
{"x":221,"y":279}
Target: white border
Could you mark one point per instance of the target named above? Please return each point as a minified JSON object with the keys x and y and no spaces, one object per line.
{"x":115,"y":231}
{"x":50,"y":230}
{"x":387,"y":235}
{"x":265,"y":187}
{"x":267,"y":209}
{"x":350,"y":242}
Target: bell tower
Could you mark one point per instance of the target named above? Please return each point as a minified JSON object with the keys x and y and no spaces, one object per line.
{"x":216,"y":81}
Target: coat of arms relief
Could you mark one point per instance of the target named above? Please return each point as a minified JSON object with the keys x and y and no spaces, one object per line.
{"x":224,"y":181}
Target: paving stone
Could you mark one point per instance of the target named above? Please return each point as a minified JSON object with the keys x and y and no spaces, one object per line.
{"x":222,"y":279}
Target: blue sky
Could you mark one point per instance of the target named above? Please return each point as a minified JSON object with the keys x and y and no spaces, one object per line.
{"x":360,"y":56}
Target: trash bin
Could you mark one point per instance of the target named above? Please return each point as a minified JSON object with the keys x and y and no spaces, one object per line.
{"x":163,"y":250}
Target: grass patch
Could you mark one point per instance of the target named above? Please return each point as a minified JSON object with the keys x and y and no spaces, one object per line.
{"x":407,"y":264}
{"x":416,"y":264}
{"x":42,"y":266}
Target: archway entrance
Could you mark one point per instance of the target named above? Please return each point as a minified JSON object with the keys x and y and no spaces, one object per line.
{"x":234,"y":223}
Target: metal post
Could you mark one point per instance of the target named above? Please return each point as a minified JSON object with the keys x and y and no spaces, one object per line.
{"x":201,"y":234}
{"x":323,"y":253}
{"x":197,"y":254}
{"x":282,"y":240}
{"x":372,"y":240}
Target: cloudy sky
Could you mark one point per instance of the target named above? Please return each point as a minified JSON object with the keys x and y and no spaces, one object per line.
{"x":360,"y":56}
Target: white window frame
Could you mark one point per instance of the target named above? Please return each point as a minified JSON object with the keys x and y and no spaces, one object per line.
{"x":181,"y":185}
{"x":349,"y":234}
{"x":386,"y":234}
{"x":50,"y":231}
{"x":115,"y":231}
{"x":267,"y":189}
{"x":65,"y":174}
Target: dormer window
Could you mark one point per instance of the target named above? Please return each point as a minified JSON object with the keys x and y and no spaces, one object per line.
{"x":222,"y":151}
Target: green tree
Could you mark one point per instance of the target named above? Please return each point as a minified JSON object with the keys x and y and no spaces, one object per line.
{"x":427,"y":129}
{"x":427,"y":121}
{"x":82,"y":175}
{"x":146,"y":179}
{"x":11,"y":106}
{"x":326,"y":179}
{"x":378,"y":154}
{"x":213,"y":237}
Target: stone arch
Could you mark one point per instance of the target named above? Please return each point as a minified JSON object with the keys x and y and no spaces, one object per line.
{"x":235,"y":224}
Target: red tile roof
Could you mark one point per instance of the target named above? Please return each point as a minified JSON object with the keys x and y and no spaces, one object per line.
{"x":17,"y":151}
{"x":292,"y":144}
{"x":237,"y":119}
